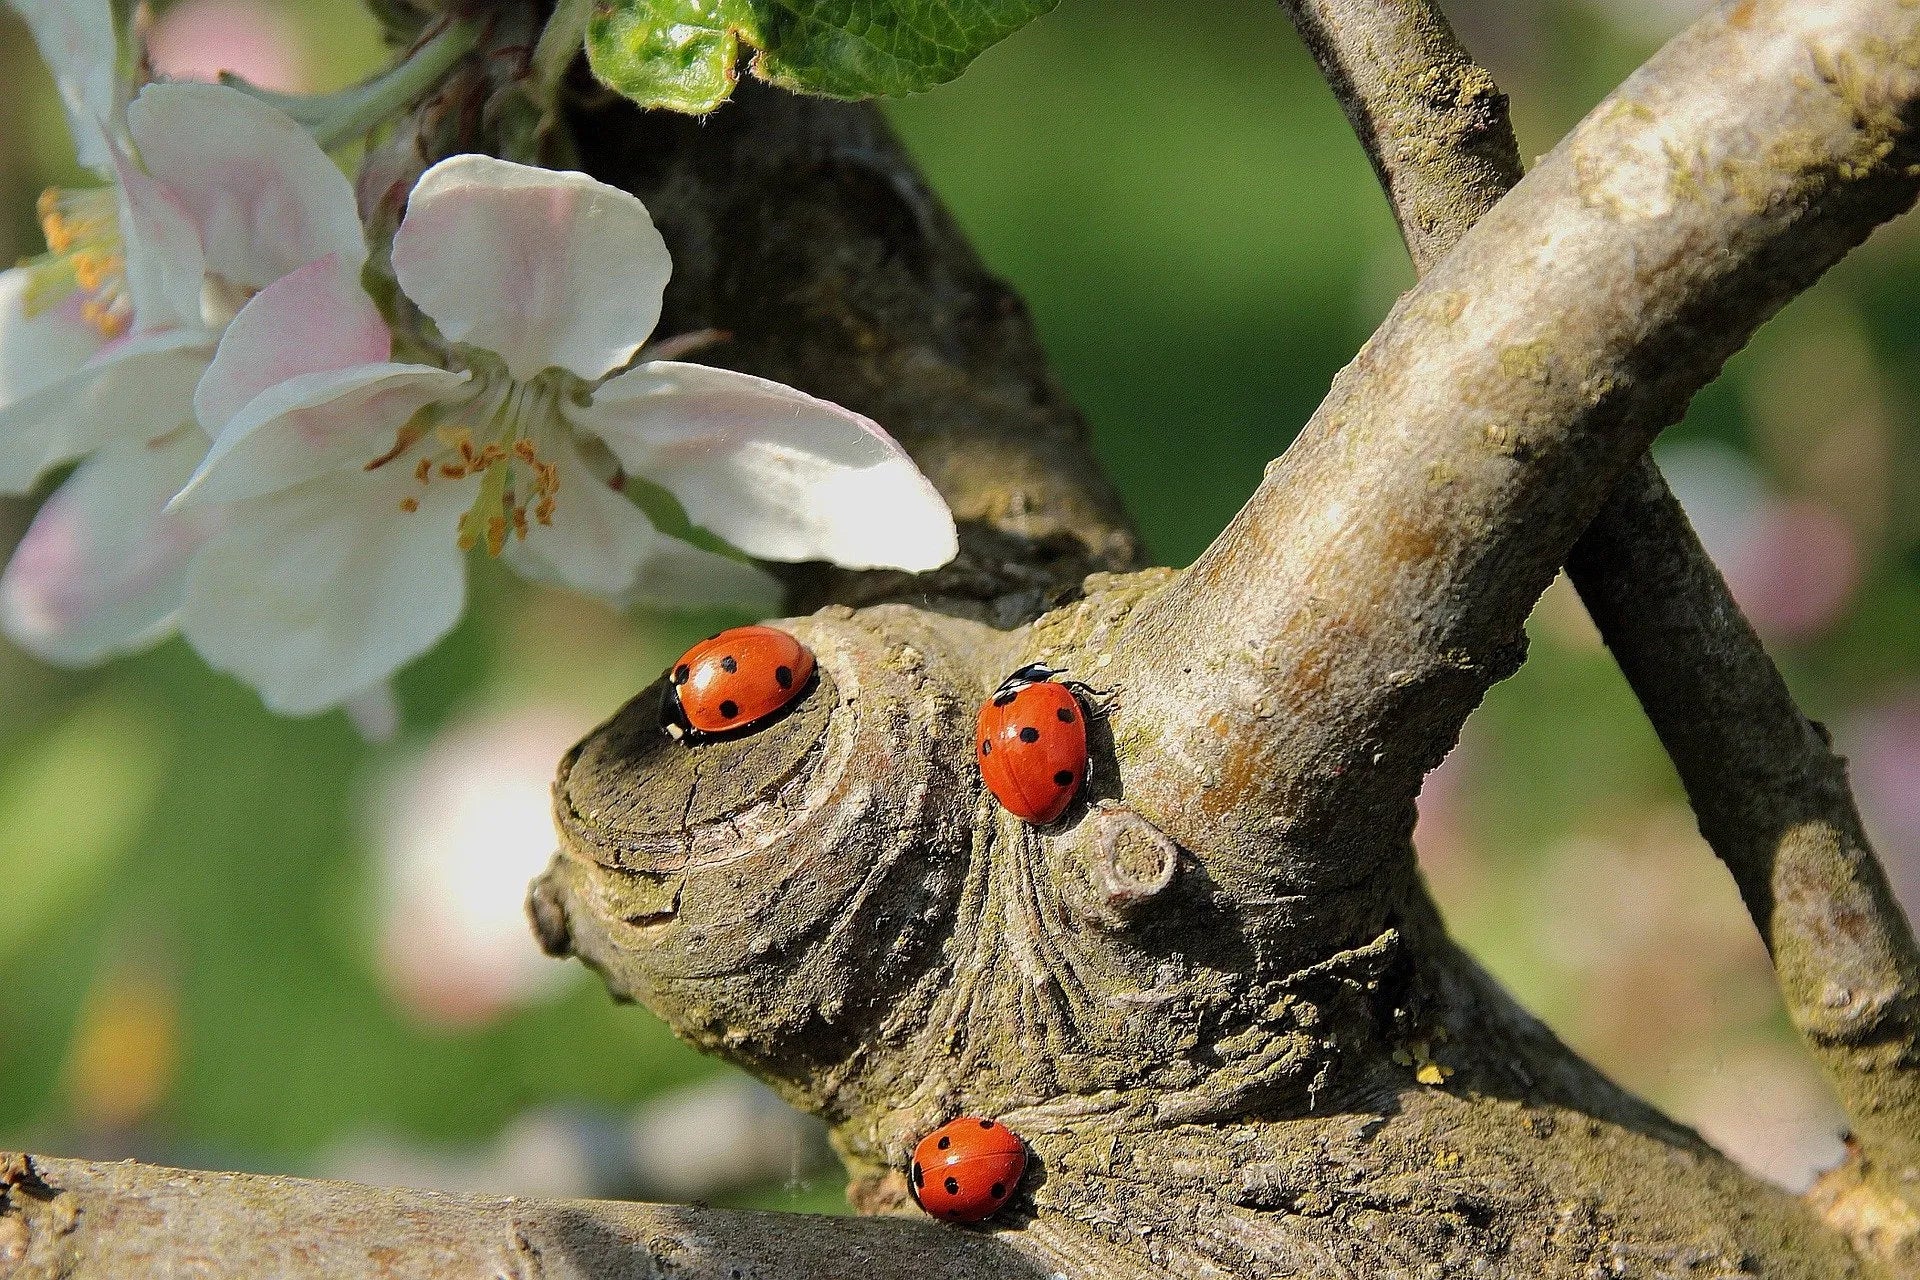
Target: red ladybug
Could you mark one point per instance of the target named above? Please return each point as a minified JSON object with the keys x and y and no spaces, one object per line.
{"x":967,"y":1169}
{"x":1032,"y":747}
{"x":736,"y":679}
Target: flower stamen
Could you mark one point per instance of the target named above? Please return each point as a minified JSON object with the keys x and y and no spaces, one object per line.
{"x":84,"y":256}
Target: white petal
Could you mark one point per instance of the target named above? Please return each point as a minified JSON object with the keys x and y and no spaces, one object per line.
{"x":37,"y":351}
{"x":316,"y":424}
{"x":776,"y":472}
{"x":313,"y":320}
{"x":103,"y":567}
{"x":316,"y":595}
{"x":77,"y":42}
{"x":137,"y":390}
{"x":265,"y":196}
{"x":165,"y":265}
{"x":600,"y":542}
{"x":544,"y":269}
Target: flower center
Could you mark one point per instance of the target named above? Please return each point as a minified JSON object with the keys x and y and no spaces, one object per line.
{"x":495,"y":435}
{"x":84,"y":256}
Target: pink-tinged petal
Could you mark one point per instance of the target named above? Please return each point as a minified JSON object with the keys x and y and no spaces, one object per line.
{"x":317,"y":595}
{"x":265,"y":196}
{"x":601,"y":543}
{"x":165,"y":267}
{"x":76,"y":39}
{"x":202,"y":38}
{"x":544,"y":269}
{"x":347,"y":420}
{"x":138,"y":389}
{"x":38,"y":350}
{"x":102,"y":569}
{"x":313,"y":320}
{"x":776,"y":472}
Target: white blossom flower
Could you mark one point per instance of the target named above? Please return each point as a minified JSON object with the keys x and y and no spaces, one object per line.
{"x":103,"y":340}
{"x":351,"y":485}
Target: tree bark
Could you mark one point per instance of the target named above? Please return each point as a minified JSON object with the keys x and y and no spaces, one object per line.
{"x":1772,"y":797}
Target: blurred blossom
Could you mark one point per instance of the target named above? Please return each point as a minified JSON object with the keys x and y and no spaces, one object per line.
{"x":199,"y":39}
{"x":1882,"y":744}
{"x":722,"y":1135}
{"x":1792,"y":564}
{"x":1767,"y":1107}
{"x":461,"y":832}
{"x":126,"y":1047}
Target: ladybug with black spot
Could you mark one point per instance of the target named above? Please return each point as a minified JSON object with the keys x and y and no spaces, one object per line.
{"x":1032,"y":744}
{"x":732,"y":681}
{"x":967,"y":1169}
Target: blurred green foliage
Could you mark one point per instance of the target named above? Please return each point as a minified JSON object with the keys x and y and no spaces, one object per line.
{"x":1203,"y":246}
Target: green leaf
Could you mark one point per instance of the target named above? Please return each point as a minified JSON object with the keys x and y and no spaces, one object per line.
{"x":681,"y":54}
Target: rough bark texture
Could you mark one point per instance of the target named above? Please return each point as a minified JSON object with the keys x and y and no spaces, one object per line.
{"x":1772,"y":797}
{"x":1214,"y":996}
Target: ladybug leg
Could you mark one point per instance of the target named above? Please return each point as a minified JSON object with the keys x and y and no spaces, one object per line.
{"x":1098,"y":702}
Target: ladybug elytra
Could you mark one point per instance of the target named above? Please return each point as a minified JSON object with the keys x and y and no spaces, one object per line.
{"x":1032,"y":744}
{"x":733,"y":680}
{"x":966,"y":1169}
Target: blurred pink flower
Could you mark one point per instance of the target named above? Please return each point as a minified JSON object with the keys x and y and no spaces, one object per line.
{"x":460,"y":831}
{"x":1791,"y":563}
{"x":1882,"y":744}
{"x":199,"y":39}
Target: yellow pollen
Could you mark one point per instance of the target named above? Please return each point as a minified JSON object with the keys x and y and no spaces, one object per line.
{"x":83,"y":256}
{"x":409,"y":505}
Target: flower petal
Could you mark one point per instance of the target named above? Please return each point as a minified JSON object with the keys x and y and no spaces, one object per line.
{"x":542,"y":268}
{"x":600,"y":542}
{"x":38,"y":350}
{"x":103,"y":567}
{"x":316,"y":595}
{"x":265,"y":196}
{"x":137,"y":390}
{"x":312,"y":320}
{"x":77,"y":42}
{"x":165,"y":265}
{"x":314,"y":424}
{"x":776,"y":472}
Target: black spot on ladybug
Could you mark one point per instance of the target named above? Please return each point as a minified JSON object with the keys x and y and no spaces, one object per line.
{"x":1029,"y":734}
{"x":986,"y":747}
{"x":919,"y":1175}
{"x":953,"y":1186}
{"x":680,"y":674}
{"x":1005,"y":696}
{"x":728,"y":665}
{"x":944,"y":1143}
{"x":784,"y":675}
{"x":986,"y":1124}
{"x":1065,"y":714}
{"x":729,"y":708}
{"x":999,"y":1189}
{"x":1063,"y":777}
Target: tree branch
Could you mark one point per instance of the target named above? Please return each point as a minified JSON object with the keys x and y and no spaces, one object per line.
{"x":77,"y":1220}
{"x":1772,"y":798}
{"x":1362,"y":602}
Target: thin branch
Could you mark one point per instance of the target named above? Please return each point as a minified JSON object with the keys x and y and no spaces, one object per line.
{"x":77,"y":1220}
{"x":1376,"y":584}
{"x":1771,"y":796}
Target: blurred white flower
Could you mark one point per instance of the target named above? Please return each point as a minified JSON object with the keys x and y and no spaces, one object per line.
{"x":460,"y":832}
{"x":103,"y":341}
{"x":200,"y":39}
{"x":352,"y":486}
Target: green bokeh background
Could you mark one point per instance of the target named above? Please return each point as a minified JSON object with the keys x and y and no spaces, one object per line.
{"x":1203,"y":247}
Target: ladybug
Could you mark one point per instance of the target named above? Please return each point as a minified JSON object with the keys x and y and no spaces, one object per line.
{"x":1032,"y":744}
{"x":734,"y":680}
{"x":967,"y":1169}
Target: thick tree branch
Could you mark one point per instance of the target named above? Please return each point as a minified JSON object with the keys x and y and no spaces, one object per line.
{"x":1771,"y":796}
{"x":76,"y":1220}
{"x":1362,"y":602}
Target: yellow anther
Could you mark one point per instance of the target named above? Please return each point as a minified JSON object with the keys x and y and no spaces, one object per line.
{"x":496,"y":535}
{"x":543,"y":511}
{"x":453,"y":470}
{"x":424,"y":471}
{"x":409,"y":505}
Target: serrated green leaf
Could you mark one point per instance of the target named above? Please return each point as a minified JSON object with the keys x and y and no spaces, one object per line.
{"x":682,"y":54}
